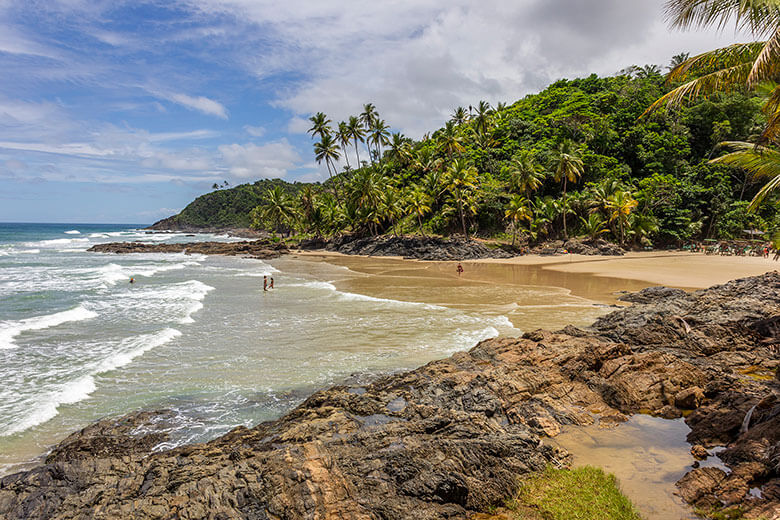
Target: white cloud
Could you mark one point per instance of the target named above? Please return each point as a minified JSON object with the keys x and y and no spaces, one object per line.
{"x":201,"y":104}
{"x":269,"y":160}
{"x":255,"y":131}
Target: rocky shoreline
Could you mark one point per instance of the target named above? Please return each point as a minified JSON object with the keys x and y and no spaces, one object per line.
{"x":452,"y":438}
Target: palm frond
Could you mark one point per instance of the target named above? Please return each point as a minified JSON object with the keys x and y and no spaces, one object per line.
{"x":765,"y":66}
{"x":719,"y":81}
{"x":757,"y":16}
{"x":760,"y":161}
{"x":771,"y":108}
{"x":717,"y":59}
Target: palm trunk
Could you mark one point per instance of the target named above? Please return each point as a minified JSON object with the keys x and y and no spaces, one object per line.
{"x":565,"y":234}
{"x":462,"y":219}
{"x":419,"y":221}
{"x":357,"y":153}
{"x":514,"y":233}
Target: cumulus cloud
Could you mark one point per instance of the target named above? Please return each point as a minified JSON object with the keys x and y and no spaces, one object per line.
{"x":270,"y":160}
{"x":255,"y":131}
{"x":416,"y":60}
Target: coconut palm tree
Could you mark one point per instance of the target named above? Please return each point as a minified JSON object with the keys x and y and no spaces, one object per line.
{"x":343,"y":138}
{"x":481,"y":119}
{"x":460,"y":116}
{"x":525,"y":173}
{"x":356,"y":133}
{"x":568,"y":167}
{"x":320,"y":125}
{"x":327,"y":150}
{"x":677,"y":60}
{"x":418,"y":203}
{"x":449,"y":139}
{"x":460,"y":180}
{"x":517,"y":209}
{"x":620,"y":204}
{"x":400,"y":149}
{"x":278,"y":209}
{"x":760,"y":161}
{"x":378,"y":134}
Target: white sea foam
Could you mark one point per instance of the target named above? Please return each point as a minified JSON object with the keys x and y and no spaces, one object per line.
{"x":10,"y":329}
{"x":47,"y":402}
{"x":58,"y":242}
{"x":73,"y":232}
{"x":29,"y":251}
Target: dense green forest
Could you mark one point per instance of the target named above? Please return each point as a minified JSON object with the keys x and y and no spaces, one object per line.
{"x":575,"y":159}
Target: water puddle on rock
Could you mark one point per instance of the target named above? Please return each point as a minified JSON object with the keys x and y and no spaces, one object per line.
{"x":646,"y":454}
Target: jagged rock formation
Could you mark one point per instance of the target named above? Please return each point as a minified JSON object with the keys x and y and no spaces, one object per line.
{"x":453,"y":436}
{"x":253,"y":249}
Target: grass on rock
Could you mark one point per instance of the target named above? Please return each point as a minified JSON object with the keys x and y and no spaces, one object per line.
{"x":585,"y":493}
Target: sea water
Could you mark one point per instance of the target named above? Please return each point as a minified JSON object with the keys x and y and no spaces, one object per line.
{"x":194,"y":334}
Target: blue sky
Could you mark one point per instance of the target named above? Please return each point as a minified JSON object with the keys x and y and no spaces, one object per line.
{"x":114,"y":111}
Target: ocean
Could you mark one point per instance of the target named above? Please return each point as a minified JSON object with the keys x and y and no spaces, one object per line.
{"x":193,"y":334}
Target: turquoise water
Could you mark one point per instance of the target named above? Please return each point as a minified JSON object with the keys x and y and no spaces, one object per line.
{"x":194,"y":334}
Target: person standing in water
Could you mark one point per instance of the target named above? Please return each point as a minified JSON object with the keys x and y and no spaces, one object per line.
{"x":265,"y":283}
{"x":272,"y":283}
{"x":132,"y":280}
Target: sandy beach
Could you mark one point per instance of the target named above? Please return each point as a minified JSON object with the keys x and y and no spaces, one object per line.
{"x":671,"y":268}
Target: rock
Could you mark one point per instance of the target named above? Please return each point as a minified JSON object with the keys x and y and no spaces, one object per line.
{"x":689,"y":399}
{"x":419,"y":248}
{"x":451,"y":438}
{"x":260,"y":249}
{"x":699,"y":452}
{"x":579,"y":247}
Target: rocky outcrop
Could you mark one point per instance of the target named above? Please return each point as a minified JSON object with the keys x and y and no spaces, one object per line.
{"x":578,"y":246}
{"x":418,"y":248}
{"x":254,"y":249}
{"x":451,"y":438}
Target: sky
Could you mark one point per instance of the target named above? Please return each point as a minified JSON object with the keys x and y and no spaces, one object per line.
{"x":124,"y":111}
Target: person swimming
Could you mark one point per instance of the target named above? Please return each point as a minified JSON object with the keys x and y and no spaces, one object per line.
{"x":132,"y":280}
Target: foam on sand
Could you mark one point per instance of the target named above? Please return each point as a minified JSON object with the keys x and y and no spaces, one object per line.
{"x":10,"y":329}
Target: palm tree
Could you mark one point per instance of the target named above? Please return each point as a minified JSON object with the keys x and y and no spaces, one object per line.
{"x":418,"y":204}
{"x":343,"y":138}
{"x":367,"y":117}
{"x":677,"y":60}
{"x":481,"y":119}
{"x":760,"y":161}
{"x":320,"y":125}
{"x":460,"y":116}
{"x":278,"y":209}
{"x":378,"y":134}
{"x":392,"y":207}
{"x":594,"y":226}
{"x":327,"y":150}
{"x":449,"y":139}
{"x":568,"y":166}
{"x":356,"y":133}
{"x":620,"y":204}
{"x":517,"y":210}
{"x":400,"y":148}
{"x":525,"y":173}
{"x":648,"y":71}
{"x":460,"y":180}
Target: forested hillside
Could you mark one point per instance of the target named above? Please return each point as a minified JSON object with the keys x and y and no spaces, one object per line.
{"x":575,"y":159}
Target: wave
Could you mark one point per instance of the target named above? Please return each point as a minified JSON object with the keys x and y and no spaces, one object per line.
{"x":10,"y":329}
{"x":73,"y":232}
{"x":47,"y":404}
{"x":58,"y":241}
{"x":111,"y":273}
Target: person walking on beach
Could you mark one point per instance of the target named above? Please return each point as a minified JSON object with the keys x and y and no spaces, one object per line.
{"x":460,"y":269}
{"x":272,"y":283}
{"x":265,"y":283}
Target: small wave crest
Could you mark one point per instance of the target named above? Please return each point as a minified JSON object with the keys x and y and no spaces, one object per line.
{"x":10,"y":329}
{"x":73,"y":232}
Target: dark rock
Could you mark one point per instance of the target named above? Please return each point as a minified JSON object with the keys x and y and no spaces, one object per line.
{"x":412,"y":247}
{"x":261,"y":249}
{"x":699,"y":452}
{"x":689,"y":399}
